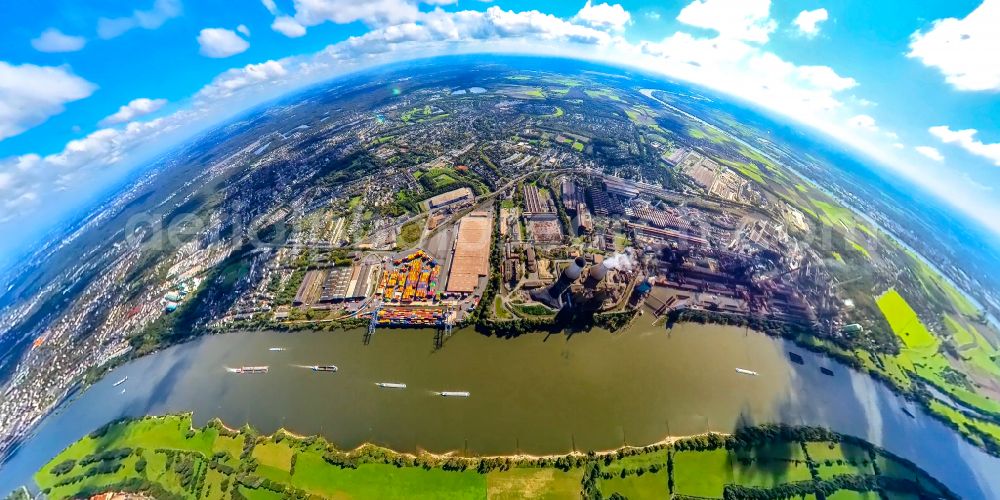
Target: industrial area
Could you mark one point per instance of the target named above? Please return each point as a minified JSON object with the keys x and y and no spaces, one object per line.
{"x":500,"y":202}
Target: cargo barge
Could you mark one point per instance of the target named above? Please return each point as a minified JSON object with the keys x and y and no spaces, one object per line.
{"x":324,"y":368}
{"x":454,"y":394}
{"x":390,"y":385}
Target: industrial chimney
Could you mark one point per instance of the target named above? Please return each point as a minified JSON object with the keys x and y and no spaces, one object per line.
{"x":551,"y":295}
{"x":597,"y":274}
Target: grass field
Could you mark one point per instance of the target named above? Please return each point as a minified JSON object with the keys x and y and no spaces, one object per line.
{"x":920,"y":354}
{"x":904,"y":321}
{"x":499,"y":310}
{"x":533,"y":483}
{"x":834,"y":459}
{"x":383,"y":481}
{"x":702,"y":474}
{"x":176,"y":459}
{"x":410,"y":233}
{"x":647,"y":486}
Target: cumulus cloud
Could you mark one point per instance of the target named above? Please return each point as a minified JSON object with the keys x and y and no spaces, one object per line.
{"x":53,"y":40}
{"x":734,"y":62}
{"x":371,"y":12}
{"x":30,"y":94}
{"x":808,"y":21}
{"x":134,"y":109}
{"x":747,"y":20}
{"x":964,"y":50}
{"x":288,"y":26}
{"x":162,"y":11}
{"x":243,"y":30}
{"x":930,"y":152}
{"x":233,"y":80}
{"x":966,"y":140}
{"x":270,"y":6}
{"x":865,"y":122}
{"x":27,"y":180}
{"x":604,"y":16}
{"x":221,"y":42}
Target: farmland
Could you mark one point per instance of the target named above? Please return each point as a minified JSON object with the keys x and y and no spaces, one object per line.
{"x":168,"y":458}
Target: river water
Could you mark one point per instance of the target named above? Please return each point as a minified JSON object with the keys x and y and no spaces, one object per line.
{"x":535,"y":394}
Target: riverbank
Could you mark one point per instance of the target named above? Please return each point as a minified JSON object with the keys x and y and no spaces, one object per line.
{"x":982,"y":431}
{"x":593,"y":391}
{"x":171,"y":458}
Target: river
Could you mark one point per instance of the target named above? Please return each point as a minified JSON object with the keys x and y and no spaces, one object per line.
{"x":535,"y":394}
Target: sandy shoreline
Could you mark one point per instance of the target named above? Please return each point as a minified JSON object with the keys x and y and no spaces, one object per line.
{"x":668,"y":440}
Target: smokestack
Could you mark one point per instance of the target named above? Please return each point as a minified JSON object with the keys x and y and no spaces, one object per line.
{"x":569,"y":275}
{"x":551,"y":295}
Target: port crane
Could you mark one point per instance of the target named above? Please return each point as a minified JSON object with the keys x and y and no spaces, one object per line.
{"x":373,"y":323}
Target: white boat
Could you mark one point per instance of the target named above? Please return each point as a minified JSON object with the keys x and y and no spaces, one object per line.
{"x":454,"y":394}
{"x":120,"y":382}
{"x":123,"y":391}
{"x":275,"y":349}
{"x":746,"y":372}
{"x":249,"y":369}
{"x":390,"y":385}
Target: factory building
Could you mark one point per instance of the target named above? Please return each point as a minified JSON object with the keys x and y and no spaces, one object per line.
{"x":346,"y":283}
{"x":583,"y":221}
{"x":454,"y":197}
{"x":471,"y":254}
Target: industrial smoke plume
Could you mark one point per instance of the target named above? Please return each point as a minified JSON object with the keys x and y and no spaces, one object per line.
{"x":620,"y":261}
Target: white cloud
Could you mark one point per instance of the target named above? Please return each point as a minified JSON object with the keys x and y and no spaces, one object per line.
{"x":221,"y":42}
{"x":964,"y":50}
{"x":270,"y":6}
{"x":966,"y":140}
{"x":53,"y":40}
{"x":152,"y":19}
{"x":371,"y":12}
{"x":899,"y":145}
{"x":30,"y":94}
{"x":288,"y":26}
{"x":236,"y":79}
{"x":243,"y":30}
{"x":604,"y":16}
{"x":134,"y":109}
{"x":734,"y":62}
{"x":826,"y":77}
{"x":930,"y":152}
{"x":808,"y":21}
{"x":865,"y":122}
{"x":747,"y":20}
{"x":77,"y":171}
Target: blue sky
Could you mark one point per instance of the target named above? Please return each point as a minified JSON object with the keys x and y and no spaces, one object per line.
{"x":89,"y":90}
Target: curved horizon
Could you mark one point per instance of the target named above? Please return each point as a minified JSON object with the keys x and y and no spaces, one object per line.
{"x":816,"y":96}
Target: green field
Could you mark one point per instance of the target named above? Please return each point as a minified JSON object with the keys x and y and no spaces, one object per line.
{"x":167,"y":458}
{"x":904,"y":321}
{"x":378,"y":481}
{"x":649,"y":485}
{"x":702,"y":473}
{"x":534,"y":483}
{"x":499,"y":310}
{"x":410,"y":233}
{"x":833,"y":459}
